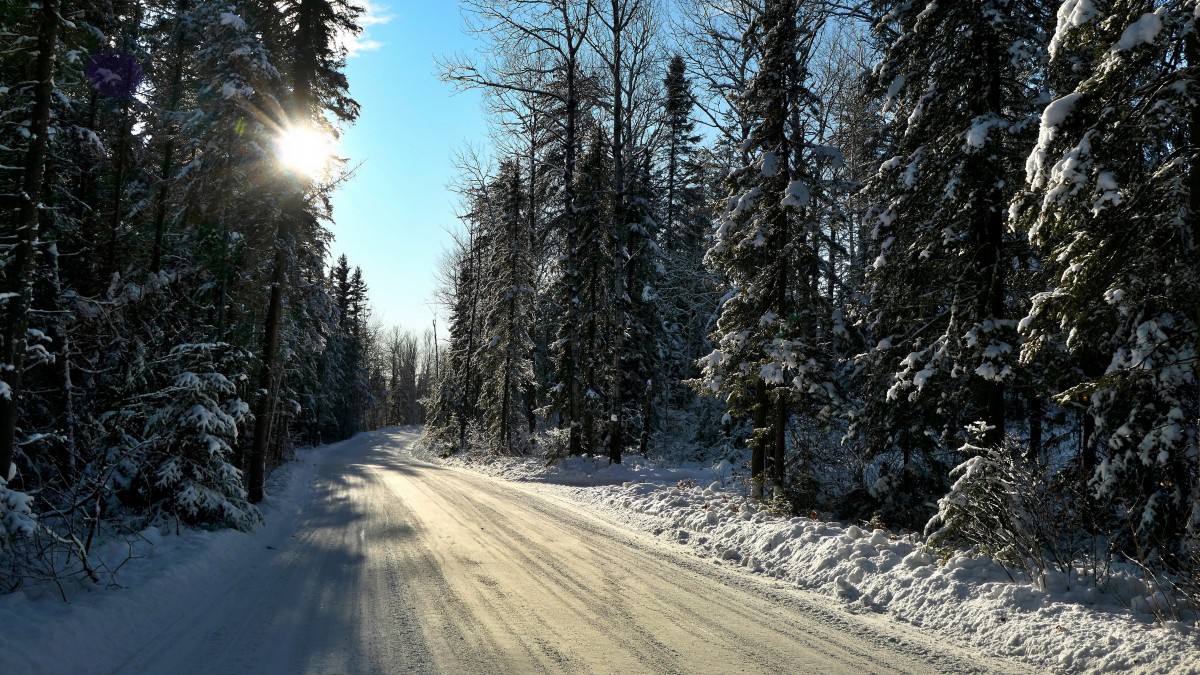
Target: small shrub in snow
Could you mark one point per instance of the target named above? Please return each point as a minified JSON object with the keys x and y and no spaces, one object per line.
{"x":556,"y":445}
{"x":1000,"y":506}
{"x":779,"y":504}
{"x":16,"y":515}
{"x":179,"y":465}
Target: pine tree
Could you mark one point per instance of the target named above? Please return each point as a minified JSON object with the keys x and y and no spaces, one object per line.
{"x":592,"y":299}
{"x":315,"y":59}
{"x":147,"y":128}
{"x":683,"y":202}
{"x":688,"y":296}
{"x":627,"y":41}
{"x":189,"y":439}
{"x":644,"y":355}
{"x":20,"y":233}
{"x":956,"y":79}
{"x":555,"y":32}
{"x":507,"y":298}
{"x":1112,"y":204}
{"x":454,"y":403}
{"x":774,"y":339}
{"x":175,"y":30}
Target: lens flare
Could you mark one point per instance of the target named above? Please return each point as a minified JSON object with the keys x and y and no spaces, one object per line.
{"x":305,"y":151}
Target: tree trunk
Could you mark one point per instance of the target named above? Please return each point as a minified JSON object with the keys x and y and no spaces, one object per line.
{"x":464,"y":414}
{"x":779,"y":461}
{"x":291,"y":213}
{"x":68,"y":464}
{"x":1036,"y":411}
{"x":1193,"y":57}
{"x":615,"y":432}
{"x":647,"y":406}
{"x":505,"y":431}
{"x":85,"y":209}
{"x":1179,"y":461}
{"x":571,"y":349}
{"x":114,"y":225}
{"x":536,"y":321}
{"x":672,"y":168}
{"x":223,"y":281}
{"x":267,"y":376}
{"x":589,"y":416}
{"x":18,"y":276}
{"x":1087,"y":448}
{"x":758,"y":445}
{"x":168,"y":160}
{"x":991,"y":243}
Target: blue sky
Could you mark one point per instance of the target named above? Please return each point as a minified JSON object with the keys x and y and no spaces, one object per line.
{"x":391,"y":218}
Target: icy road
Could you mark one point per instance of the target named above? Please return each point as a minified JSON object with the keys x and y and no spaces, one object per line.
{"x":392,"y":565}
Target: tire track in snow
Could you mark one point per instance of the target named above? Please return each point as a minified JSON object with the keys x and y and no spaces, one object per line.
{"x":397,"y":565}
{"x":661,"y":612}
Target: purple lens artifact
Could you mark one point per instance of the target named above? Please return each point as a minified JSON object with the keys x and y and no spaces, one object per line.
{"x":114,"y":74}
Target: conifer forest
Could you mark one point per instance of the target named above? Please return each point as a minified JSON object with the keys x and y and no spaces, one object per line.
{"x":928,"y":266}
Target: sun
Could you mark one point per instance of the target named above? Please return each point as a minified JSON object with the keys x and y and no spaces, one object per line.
{"x":305,"y":151}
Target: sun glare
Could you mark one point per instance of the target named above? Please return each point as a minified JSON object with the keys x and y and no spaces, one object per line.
{"x":305,"y":151}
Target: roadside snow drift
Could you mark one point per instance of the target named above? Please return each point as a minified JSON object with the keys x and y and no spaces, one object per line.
{"x":1067,"y":626}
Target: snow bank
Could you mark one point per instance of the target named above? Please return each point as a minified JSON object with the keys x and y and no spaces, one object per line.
{"x":149,"y":581}
{"x":588,"y":471}
{"x":1067,"y":626}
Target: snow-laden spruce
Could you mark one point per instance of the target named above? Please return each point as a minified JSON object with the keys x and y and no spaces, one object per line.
{"x":1112,"y":204}
{"x":775,"y":343}
{"x":181,"y":464}
{"x":940,"y":299}
{"x":504,"y":359}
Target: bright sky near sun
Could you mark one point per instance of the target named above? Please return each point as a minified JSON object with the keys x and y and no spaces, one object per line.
{"x":392,"y":218}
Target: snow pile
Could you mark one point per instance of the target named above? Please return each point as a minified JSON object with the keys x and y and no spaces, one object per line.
{"x":1071,"y":15}
{"x":16,"y":515}
{"x":149,"y":581}
{"x":1067,"y":625}
{"x":976,"y":137}
{"x":588,"y":471}
{"x":1053,"y":117}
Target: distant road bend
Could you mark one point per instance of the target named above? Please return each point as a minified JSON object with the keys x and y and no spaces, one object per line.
{"x":399,"y":566}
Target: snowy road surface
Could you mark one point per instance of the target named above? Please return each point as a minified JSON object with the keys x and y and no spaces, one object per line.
{"x":393,"y":565}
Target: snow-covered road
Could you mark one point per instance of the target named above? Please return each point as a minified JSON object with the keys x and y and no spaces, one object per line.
{"x":387,"y":564}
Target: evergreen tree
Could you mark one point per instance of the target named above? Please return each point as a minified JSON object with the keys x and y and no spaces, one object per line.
{"x":644,"y":356}
{"x":774,"y":339}
{"x":189,"y":438}
{"x":453,"y":407}
{"x":20,"y":235}
{"x":507,"y":299}
{"x":688,"y":296}
{"x":310,"y":47}
{"x":958,"y":88}
{"x":555,"y":32}
{"x":1112,"y":204}
{"x":142,"y":246}
{"x":594,"y":270}
{"x":683,"y":221}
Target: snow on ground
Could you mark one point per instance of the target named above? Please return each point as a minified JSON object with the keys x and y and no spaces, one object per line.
{"x":146,"y":581}
{"x":1062,"y":627}
{"x":1065,"y":626}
